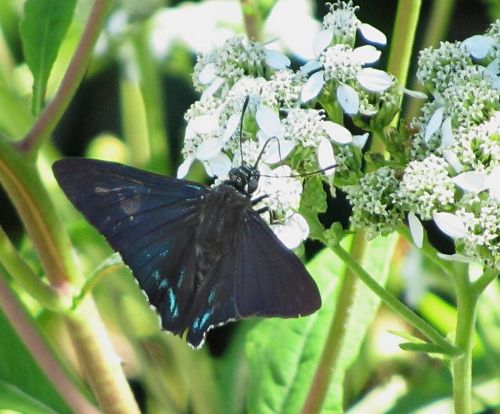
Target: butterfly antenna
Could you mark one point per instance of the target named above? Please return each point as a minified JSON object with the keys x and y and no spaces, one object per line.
{"x":245,"y":106}
{"x":264,"y":148}
{"x":302,"y":175}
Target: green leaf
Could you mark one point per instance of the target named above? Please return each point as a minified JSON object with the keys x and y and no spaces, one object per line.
{"x":42,"y":30}
{"x":23,"y":385}
{"x":283,"y":354}
{"x":422,"y":347}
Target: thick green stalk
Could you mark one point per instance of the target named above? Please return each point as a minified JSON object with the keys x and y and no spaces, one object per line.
{"x":99,"y":360}
{"x":462,"y":367}
{"x":251,"y":18}
{"x":19,"y":177}
{"x":53,"y":112}
{"x":336,"y":334}
{"x":403,"y":39}
{"x":24,"y":276}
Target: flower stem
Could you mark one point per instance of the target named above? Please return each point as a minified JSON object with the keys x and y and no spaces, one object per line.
{"x":54,"y":111}
{"x":252,"y":19}
{"x":462,"y":367}
{"x":100,"y":362}
{"x":24,"y":276}
{"x":31,"y":338}
{"x":403,"y":38}
{"x":336,"y":334}
{"x":397,"y":306}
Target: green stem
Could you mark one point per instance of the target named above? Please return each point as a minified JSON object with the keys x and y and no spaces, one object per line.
{"x":429,"y":251}
{"x":53,"y":112}
{"x":484,"y":280}
{"x":31,"y":338}
{"x":24,"y":276}
{"x":462,"y":367}
{"x":100,"y":362}
{"x":336,"y":334}
{"x":392,"y":302}
{"x":403,"y":38}
{"x":20,"y":178}
{"x":252,"y":19}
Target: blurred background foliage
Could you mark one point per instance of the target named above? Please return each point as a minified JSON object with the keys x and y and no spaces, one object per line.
{"x":130,"y":108}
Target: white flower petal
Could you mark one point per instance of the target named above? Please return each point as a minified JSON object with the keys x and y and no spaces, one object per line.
{"x":374,"y":80}
{"x":213,"y":88}
{"x":447,"y":137}
{"x":269,"y":121}
{"x":209,"y":149}
{"x":277,"y":60}
{"x":313,"y":87}
{"x":415,"y":94}
{"x":337,"y":133}
{"x":471,"y":181}
{"x":360,"y":140}
{"x":452,"y":159}
{"x":293,"y":232}
{"x":450,"y":224}
{"x":231,"y":126}
{"x":479,"y":45}
{"x":455,"y":257}
{"x":366,"y":54}
{"x":326,"y":157}
{"x":219,"y":165}
{"x":207,"y":74}
{"x":184,"y":167}
{"x":494,"y":67}
{"x":493,"y":183}
{"x":372,"y":34}
{"x":416,"y":229}
{"x":348,"y":99}
{"x":434,"y":123}
{"x":322,"y":41}
{"x":204,"y":124}
{"x":278,"y":150}
{"x":310,"y":66}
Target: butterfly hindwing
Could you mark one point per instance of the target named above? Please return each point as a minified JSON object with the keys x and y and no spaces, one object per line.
{"x":258,"y":276}
{"x":149,"y":219}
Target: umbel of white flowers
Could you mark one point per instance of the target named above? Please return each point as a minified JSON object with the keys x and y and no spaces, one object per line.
{"x":282,"y":106}
{"x":453,"y":170}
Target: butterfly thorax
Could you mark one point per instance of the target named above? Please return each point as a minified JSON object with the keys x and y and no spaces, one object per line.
{"x":224,"y":209}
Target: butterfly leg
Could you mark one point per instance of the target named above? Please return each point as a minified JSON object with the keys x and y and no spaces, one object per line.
{"x":259,"y":199}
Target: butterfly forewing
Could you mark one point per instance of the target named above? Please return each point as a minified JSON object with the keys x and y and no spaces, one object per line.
{"x":203,"y":256}
{"x":149,"y":219}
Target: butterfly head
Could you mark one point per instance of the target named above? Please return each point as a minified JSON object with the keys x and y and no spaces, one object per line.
{"x":244,"y":178}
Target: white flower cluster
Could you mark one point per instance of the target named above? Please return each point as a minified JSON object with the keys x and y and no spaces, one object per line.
{"x":280,"y":121}
{"x":453,"y":174}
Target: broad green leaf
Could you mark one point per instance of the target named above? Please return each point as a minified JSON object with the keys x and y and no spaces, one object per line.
{"x":42,"y":30}
{"x":283,"y":354}
{"x":23,"y":386}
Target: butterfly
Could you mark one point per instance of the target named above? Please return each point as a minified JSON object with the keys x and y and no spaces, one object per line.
{"x":204,"y":256}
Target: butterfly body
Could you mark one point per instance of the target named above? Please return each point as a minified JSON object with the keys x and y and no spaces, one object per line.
{"x":202,"y":255}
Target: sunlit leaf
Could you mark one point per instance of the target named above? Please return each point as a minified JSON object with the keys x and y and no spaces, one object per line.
{"x":42,"y":30}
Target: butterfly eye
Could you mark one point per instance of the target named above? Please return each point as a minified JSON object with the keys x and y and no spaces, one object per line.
{"x":252,"y":185}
